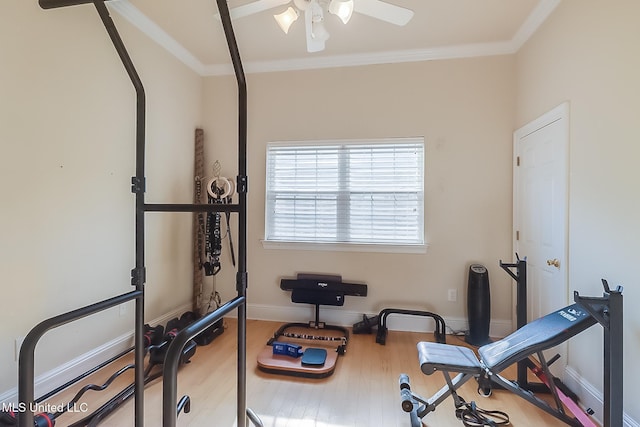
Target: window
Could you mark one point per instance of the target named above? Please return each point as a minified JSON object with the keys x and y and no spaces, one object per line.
{"x":346,"y":192}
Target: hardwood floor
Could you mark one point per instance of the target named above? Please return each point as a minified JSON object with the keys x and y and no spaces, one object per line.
{"x":363,"y":391}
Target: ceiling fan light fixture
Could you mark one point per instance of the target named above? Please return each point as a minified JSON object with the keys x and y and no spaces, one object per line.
{"x":313,"y":16}
{"x":319,"y":32}
{"x":286,"y":18}
{"x":343,"y":9}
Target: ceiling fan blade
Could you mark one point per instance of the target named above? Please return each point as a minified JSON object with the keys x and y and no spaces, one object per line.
{"x":252,"y":8}
{"x":384,"y":11}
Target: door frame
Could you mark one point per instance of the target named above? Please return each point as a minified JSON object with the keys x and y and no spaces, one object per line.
{"x":561,"y":112}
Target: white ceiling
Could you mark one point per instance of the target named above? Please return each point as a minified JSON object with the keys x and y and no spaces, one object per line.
{"x":439,"y":29}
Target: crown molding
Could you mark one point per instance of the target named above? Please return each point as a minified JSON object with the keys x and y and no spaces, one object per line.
{"x":139,"y":20}
{"x":536,"y":18}
{"x":538,"y":15}
{"x":373,"y":58}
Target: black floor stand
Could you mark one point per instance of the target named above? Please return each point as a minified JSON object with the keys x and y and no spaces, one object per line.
{"x":520,"y":276}
{"x":607,"y":310}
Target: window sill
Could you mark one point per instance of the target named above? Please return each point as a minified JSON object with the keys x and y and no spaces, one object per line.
{"x":345,"y":247}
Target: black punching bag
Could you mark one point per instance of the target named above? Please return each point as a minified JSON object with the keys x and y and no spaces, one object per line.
{"x":478,"y":305}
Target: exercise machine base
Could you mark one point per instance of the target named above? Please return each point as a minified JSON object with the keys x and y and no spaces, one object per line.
{"x":286,"y":365}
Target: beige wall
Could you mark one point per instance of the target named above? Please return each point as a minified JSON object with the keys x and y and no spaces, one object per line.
{"x":66,"y":160}
{"x":586,"y":53}
{"x":465,"y":111}
{"x":66,"y":138}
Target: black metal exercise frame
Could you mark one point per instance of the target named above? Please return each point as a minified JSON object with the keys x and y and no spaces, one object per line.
{"x":439,"y":331}
{"x":611,"y":319}
{"x":520,"y":276}
{"x":27,"y":350}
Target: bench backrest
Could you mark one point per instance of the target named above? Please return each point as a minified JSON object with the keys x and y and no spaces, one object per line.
{"x":540,"y":334}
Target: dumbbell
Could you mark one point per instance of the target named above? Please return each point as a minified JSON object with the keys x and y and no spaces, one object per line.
{"x":153,"y":335}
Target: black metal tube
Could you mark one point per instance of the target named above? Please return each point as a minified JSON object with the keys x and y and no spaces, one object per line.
{"x":241,"y":390}
{"x":172,"y":358}
{"x":521,"y":294}
{"x":26,"y":359}
{"x":608,"y":311}
{"x":521,"y":314}
{"x":242,"y":182}
{"x":520,"y":276}
{"x":613,"y":363}
{"x":53,"y":4}
{"x":215,"y":207}
{"x":138,"y":274}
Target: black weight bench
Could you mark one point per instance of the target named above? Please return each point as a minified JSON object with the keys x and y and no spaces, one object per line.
{"x":532,"y":339}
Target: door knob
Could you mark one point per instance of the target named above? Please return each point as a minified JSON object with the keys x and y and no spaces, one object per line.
{"x":555,"y":262}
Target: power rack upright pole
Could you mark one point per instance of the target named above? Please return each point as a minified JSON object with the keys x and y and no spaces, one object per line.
{"x":138,"y":188}
{"x":241,"y":275}
{"x":170,"y":368}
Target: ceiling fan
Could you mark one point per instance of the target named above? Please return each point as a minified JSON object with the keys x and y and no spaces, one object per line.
{"x":314,"y":12}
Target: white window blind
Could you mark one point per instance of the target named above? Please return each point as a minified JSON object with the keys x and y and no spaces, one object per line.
{"x":346,"y":192}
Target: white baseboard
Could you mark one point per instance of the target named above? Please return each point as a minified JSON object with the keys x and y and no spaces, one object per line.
{"x":591,"y":397}
{"x":56,"y":377}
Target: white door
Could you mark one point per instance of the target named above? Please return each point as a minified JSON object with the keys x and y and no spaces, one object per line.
{"x":541,"y":211}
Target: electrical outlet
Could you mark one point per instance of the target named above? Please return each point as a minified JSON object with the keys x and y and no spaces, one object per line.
{"x":18,"y":344}
{"x":452,"y":295}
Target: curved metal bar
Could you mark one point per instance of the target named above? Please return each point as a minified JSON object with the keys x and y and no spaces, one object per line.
{"x":27,"y":350}
{"x":82,"y":376}
{"x":172,"y":358}
{"x":53,"y":4}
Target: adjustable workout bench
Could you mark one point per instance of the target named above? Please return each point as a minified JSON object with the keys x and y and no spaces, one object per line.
{"x":532,"y":339}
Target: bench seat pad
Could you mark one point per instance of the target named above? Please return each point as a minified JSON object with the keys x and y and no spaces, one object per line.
{"x":446,"y":357}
